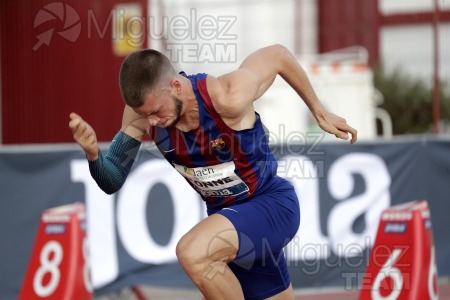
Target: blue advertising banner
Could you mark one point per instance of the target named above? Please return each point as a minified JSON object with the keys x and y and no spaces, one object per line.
{"x":133,"y":234}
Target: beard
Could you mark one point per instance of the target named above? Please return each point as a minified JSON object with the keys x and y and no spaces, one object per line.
{"x":178,"y":108}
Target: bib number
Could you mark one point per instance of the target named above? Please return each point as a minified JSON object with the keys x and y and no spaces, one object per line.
{"x":214,"y":181}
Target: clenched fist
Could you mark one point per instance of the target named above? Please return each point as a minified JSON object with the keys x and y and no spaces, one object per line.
{"x":84,"y":135}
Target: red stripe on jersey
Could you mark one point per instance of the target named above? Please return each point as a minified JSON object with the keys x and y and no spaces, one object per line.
{"x":242,"y":164}
{"x":203,"y":143}
{"x":180,"y":147}
{"x":183,"y":153}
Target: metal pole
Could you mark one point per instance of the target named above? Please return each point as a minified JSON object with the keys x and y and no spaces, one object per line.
{"x":436,"y":100}
{"x":1,"y":101}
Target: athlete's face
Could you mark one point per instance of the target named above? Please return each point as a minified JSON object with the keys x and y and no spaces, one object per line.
{"x":162,"y":110}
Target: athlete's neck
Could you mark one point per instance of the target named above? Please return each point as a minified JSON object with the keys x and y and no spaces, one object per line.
{"x":190,"y":114}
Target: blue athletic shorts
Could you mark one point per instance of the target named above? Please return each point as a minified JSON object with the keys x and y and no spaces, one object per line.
{"x":265,"y":224}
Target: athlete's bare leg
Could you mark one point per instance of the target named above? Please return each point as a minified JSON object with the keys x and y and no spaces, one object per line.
{"x":204,"y":253}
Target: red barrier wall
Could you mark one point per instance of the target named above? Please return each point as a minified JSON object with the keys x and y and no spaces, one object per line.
{"x":76,"y":71}
{"x":346,"y":23}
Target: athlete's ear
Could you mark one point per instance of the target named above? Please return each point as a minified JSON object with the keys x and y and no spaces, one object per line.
{"x":176,"y":85}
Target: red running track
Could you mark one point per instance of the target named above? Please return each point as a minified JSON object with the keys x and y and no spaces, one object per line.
{"x":444,"y":294}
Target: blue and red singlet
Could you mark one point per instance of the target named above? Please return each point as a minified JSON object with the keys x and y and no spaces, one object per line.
{"x":225,"y":166}
{"x":235,"y":173}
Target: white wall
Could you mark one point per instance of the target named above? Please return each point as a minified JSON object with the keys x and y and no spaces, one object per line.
{"x":410,"y":47}
{"x":258,"y":23}
{"x":408,"y":6}
{"x":264,"y":22}
{"x":343,"y":91}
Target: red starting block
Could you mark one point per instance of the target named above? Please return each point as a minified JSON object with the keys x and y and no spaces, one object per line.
{"x":402,"y":260}
{"x":59,"y":267}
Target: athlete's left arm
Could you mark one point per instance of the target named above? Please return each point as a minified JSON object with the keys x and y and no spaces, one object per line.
{"x":257,"y":73}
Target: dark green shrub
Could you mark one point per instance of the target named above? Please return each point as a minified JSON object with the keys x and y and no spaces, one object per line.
{"x":409,"y":102}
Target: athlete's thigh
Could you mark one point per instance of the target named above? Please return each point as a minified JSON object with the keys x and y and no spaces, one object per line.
{"x":214,"y":238}
{"x":265,"y":224}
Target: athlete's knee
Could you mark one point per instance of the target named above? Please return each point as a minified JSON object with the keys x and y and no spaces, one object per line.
{"x":189,"y":255}
{"x":197,"y":254}
{"x":207,"y":245}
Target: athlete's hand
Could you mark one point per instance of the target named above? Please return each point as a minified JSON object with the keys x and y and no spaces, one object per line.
{"x":84,"y":135}
{"x":336,"y":125}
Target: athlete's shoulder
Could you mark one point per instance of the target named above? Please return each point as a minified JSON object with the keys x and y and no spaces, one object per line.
{"x":217,"y":91}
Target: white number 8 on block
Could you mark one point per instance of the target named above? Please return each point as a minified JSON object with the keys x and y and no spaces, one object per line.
{"x":389,"y":271}
{"x":48,"y":266}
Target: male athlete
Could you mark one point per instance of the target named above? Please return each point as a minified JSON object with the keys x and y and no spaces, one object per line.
{"x":207,"y":128}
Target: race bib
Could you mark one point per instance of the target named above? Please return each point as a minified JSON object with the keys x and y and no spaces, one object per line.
{"x":214,"y":181}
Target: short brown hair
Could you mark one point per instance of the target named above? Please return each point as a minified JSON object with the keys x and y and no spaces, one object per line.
{"x":141,"y":71}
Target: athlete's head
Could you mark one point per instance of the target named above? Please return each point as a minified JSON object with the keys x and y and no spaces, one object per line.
{"x":148,"y":83}
{"x":143,"y":72}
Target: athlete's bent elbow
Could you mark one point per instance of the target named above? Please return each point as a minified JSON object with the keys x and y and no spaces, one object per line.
{"x":110,"y":186}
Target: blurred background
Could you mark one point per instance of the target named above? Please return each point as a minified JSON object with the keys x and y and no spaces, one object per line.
{"x":383,"y":65}
{"x":68,"y":57}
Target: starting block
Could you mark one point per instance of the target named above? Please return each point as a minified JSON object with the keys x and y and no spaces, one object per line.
{"x":59,"y":264}
{"x":402,"y":260}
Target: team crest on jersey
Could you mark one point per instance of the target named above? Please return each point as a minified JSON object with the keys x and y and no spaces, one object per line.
{"x":218,"y":144}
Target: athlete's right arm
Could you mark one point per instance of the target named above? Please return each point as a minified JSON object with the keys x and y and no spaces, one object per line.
{"x":111,"y":170}
{"x":133,"y":124}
